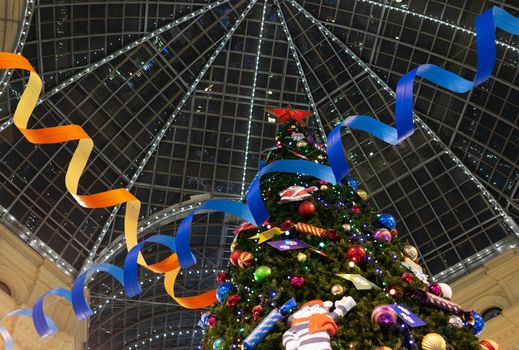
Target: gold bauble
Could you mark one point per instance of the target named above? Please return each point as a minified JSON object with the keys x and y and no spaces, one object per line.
{"x":410,"y":252}
{"x":301,"y":144}
{"x":324,"y":188}
{"x":363,"y":194}
{"x":346,"y":227}
{"x":433,"y":341}
{"x":301,"y":257}
{"x":337,"y":289}
{"x":320,"y":157}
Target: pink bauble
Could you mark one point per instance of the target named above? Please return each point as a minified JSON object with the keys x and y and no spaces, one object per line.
{"x":435,"y":289}
{"x":297,"y":281}
{"x":211,"y":321}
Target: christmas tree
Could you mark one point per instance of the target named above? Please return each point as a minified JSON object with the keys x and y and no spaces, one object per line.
{"x":357,"y":286}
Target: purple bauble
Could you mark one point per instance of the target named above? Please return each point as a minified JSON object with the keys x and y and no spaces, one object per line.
{"x":435,"y":289}
{"x":382,"y":235}
{"x":384,"y":315}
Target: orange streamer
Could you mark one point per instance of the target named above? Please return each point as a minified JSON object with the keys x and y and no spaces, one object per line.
{"x":77,"y":165}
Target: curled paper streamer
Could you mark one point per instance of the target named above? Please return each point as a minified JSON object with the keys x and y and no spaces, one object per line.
{"x":254,"y":211}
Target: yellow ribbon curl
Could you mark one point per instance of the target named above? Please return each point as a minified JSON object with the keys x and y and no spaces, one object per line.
{"x":170,"y":266}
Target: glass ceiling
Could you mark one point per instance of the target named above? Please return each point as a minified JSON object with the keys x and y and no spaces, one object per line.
{"x":165,"y":89}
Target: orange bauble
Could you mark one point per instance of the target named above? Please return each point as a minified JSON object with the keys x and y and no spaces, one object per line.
{"x":245,"y":259}
{"x":235,"y":255}
{"x":307,"y":208}
{"x":383,"y":348}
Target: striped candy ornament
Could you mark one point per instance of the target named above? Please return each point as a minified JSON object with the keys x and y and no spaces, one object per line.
{"x":489,"y":344}
{"x":262,"y":330}
{"x":313,"y":230}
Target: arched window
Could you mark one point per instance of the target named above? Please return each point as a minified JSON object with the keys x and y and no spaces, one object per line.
{"x":491,"y":313}
{"x":5,"y":288}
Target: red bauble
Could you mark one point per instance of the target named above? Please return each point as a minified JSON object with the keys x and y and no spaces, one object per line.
{"x":297,"y":281}
{"x":307,"y":208}
{"x":233,"y":258}
{"x":355,"y":210}
{"x":356,"y":253}
{"x":286,"y":225}
{"x":221,"y":277}
{"x":394,"y":232}
{"x":245,"y":259}
{"x":406,"y":276}
{"x":233,"y":300}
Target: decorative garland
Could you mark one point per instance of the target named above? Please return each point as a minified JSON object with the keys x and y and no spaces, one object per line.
{"x":254,"y":211}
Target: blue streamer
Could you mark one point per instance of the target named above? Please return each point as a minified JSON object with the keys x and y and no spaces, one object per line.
{"x":255,"y":211}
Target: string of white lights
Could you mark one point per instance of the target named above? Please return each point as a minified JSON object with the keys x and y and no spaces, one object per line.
{"x":300,"y":69}
{"x":158,"y":138}
{"x":119,"y":52}
{"x":436,"y":20}
{"x":253,"y":95}
{"x":158,"y":336}
{"x":508,"y":221}
{"x":20,"y":42}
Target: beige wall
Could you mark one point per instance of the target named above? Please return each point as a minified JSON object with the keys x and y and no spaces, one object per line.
{"x":29,"y":275}
{"x":11,"y":12}
{"x":495,"y":284}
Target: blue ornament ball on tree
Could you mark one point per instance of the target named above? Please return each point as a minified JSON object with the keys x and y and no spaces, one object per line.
{"x":476,"y":322}
{"x":222,"y":291}
{"x":387,"y":220}
{"x":219,"y":344}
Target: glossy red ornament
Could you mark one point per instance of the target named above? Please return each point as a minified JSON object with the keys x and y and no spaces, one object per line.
{"x":356,"y":253}
{"x":233,"y":300}
{"x":435,"y":289}
{"x":407,"y":277}
{"x":286,"y":225}
{"x":235,"y":255}
{"x":297,"y":281}
{"x":307,"y":208}
{"x":221,"y":277}
{"x":257,"y":311}
{"x":394,"y":232}
{"x":211,"y":320}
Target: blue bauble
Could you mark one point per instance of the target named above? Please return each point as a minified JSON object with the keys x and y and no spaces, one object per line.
{"x":222,"y":291}
{"x":219,"y":344}
{"x":387,"y":220}
{"x":353,"y":183}
{"x":476,"y":322}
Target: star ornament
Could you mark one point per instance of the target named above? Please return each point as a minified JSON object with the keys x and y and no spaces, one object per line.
{"x":284,"y":114}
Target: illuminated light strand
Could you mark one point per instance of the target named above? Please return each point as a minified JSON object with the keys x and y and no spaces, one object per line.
{"x":506,"y":218}
{"x":437,"y":20}
{"x":255,"y":211}
{"x":119,"y":52}
{"x":300,"y":70}
{"x":158,"y":138}
{"x":253,"y":95}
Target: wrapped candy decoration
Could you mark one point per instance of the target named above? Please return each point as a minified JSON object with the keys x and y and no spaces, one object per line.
{"x":219,"y":344}
{"x":221,"y":277}
{"x":222,"y":290}
{"x":384,"y":315}
{"x":297,"y":281}
{"x":286,"y":225}
{"x":488,"y":344}
{"x":475,"y":322}
{"x":410,"y":252}
{"x":382,"y":235}
{"x":306,"y":208}
{"x":433,"y":341}
{"x":455,"y":321}
{"x":296,"y":194}
{"x":446,"y":290}
{"x":211,"y":320}
{"x":257,"y":311}
{"x":245,"y":259}
{"x":203,"y":323}
{"x":233,"y":300}
{"x":387,"y":221}
{"x":233,"y":258}
{"x":356,"y":253}
{"x":313,"y":230}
